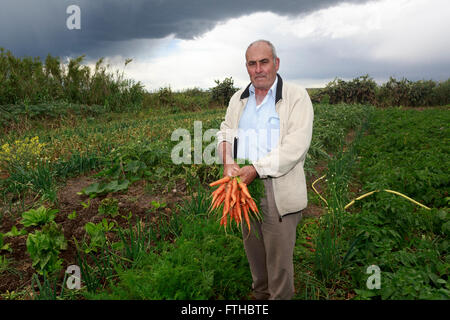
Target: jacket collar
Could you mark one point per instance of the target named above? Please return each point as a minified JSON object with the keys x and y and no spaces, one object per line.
{"x":278,"y":94}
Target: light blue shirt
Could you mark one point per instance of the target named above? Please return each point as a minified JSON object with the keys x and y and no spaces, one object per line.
{"x":259,"y":126}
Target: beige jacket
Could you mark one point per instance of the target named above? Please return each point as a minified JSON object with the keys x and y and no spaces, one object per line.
{"x":284,"y":163}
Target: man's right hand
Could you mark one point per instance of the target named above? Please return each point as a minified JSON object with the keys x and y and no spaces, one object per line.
{"x":230,"y":169}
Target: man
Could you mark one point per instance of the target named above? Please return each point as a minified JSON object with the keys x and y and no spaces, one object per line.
{"x":270,"y":124}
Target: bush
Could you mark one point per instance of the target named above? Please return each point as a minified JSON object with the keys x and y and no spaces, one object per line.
{"x":441,"y":93}
{"x":181,"y":101}
{"x":29,"y":81}
{"x":364,"y":90}
{"x":360,"y":91}
{"x":223,"y":91}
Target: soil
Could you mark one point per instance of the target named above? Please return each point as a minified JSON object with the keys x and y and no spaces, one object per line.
{"x":135,"y":200}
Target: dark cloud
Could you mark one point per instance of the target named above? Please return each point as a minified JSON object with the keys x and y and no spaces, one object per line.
{"x":38,"y":27}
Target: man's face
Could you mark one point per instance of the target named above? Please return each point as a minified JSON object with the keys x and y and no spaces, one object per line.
{"x":260,"y":65}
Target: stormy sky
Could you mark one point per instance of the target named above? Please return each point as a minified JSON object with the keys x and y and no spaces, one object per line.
{"x":186,"y":44}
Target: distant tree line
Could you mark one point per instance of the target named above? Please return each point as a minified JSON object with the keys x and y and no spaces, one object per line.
{"x":364,"y":90}
{"x":30,"y":81}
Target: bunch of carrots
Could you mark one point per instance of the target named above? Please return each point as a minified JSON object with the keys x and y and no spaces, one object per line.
{"x":236,"y":199}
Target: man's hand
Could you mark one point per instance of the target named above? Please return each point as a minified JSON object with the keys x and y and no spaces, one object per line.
{"x":247,"y":174}
{"x":231,"y":169}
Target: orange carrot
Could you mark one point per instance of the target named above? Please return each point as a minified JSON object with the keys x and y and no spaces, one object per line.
{"x":218,"y":201}
{"x":220,"y":181}
{"x":233,"y":213}
{"x":215,"y":197}
{"x":237,"y":201}
{"x":238,"y":209}
{"x":224,"y":212}
{"x":253,"y":205}
{"x":243,"y":196}
{"x":219,"y":189}
{"x":244,"y":189}
{"x":226,"y":206}
{"x":233,"y":191}
{"x":246,"y":217}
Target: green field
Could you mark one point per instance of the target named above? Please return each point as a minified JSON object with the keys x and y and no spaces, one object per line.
{"x":136,"y":224}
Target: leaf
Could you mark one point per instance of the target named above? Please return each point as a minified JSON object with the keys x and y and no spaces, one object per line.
{"x":92,"y":189}
{"x":4,"y":246}
{"x":72,"y":215}
{"x":135,"y":166}
{"x":44,"y":246}
{"x":40,"y":216}
{"x":14,"y":232}
{"x":115,"y":186}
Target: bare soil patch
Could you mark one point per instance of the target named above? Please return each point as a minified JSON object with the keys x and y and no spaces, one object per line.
{"x":135,"y":200}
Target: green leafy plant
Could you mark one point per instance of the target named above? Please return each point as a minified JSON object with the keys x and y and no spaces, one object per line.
{"x":86,"y":205}
{"x":97,"y":234}
{"x":39,"y":216}
{"x":4,"y":246}
{"x":109,"y":206}
{"x":72,"y":216}
{"x":100,"y":188}
{"x":155,"y":205}
{"x":223,"y":91}
{"x":14,"y":232}
{"x":44,"y":247}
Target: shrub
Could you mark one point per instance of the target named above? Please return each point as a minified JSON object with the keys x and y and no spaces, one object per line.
{"x":441,"y":93}
{"x":223,"y":91}
{"x":360,"y":90}
{"x":165,"y":96}
{"x":364,"y":90}
{"x":29,"y":81}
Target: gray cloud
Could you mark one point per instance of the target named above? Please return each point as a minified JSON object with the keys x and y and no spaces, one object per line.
{"x":346,"y":59}
{"x":38,"y":28}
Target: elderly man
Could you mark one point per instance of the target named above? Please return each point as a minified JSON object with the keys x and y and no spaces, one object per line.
{"x":269,"y":123}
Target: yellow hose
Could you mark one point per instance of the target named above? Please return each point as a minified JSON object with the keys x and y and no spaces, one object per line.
{"x":368,"y":194}
{"x":317,"y":191}
{"x":408,"y":198}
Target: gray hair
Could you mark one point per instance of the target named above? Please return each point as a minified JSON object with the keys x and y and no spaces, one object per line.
{"x":272,"y":47}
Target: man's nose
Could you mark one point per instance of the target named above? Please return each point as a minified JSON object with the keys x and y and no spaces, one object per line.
{"x":258,"y":67}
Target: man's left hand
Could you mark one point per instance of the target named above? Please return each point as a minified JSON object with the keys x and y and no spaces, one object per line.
{"x":247,"y":174}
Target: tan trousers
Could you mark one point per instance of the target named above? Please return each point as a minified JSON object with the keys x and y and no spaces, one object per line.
{"x":270,"y":250}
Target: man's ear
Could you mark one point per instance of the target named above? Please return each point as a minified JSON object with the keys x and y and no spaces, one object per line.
{"x":278,"y":63}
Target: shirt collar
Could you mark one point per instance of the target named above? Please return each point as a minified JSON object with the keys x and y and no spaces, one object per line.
{"x":271,"y":91}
